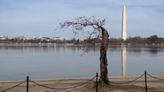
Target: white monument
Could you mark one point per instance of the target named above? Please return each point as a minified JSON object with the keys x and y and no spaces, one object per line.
{"x":124,"y":34}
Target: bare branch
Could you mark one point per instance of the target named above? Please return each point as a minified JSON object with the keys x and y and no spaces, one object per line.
{"x":80,"y":23}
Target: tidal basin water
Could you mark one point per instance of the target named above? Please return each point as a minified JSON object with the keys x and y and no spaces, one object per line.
{"x":76,"y":61}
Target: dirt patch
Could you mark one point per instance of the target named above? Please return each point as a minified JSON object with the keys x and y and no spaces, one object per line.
{"x":124,"y":88}
{"x":83,"y":85}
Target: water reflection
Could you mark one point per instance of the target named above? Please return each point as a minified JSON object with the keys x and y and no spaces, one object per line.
{"x":151,"y":50}
{"x":154,"y":51}
{"x":135,"y":50}
{"x":123,"y":59}
{"x":65,"y":61}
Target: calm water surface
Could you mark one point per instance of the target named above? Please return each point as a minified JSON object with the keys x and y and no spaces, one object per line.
{"x":72,"y":61}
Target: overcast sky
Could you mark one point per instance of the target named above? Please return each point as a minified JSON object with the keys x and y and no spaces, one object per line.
{"x":41,"y":17}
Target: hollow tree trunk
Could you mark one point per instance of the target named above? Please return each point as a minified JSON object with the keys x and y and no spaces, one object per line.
{"x":103,"y":57}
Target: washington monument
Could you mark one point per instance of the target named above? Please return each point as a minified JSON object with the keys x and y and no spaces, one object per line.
{"x":124,"y":34}
{"x":124,"y":37}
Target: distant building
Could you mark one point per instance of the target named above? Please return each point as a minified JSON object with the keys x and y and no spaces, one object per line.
{"x":3,"y":38}
{"x":58,"y":38}
{"x":46,"y":39}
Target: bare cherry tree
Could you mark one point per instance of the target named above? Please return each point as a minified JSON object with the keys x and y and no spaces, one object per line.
{"x":94,"y":27}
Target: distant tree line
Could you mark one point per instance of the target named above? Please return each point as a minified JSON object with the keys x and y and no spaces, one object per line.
{"x":152,"y":40}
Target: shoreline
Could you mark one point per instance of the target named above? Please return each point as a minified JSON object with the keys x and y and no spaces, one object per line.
{"x":47,"y":44}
